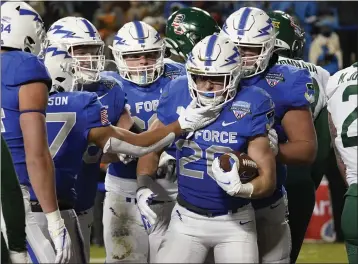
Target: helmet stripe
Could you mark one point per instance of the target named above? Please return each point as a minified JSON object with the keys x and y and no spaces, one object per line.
{"x":91,"y":31}
{"x":243,"y":20}
{"x":210,"y":49}
{"x":140,"y":33}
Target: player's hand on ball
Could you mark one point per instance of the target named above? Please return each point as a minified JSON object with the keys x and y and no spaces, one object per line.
{"x":273,"y":138}
{"x":144,"y":199}
{"x":194,"y":118}
{"x":229,"y":181}
{"x":61,"y":240}
{"x":19,"y":257}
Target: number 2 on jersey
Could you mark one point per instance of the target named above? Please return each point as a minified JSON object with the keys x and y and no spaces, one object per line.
{"x":208,"y":155}
{"x":346,"y":140}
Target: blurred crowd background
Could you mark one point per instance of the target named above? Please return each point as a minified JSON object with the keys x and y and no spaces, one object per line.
{"x":331,"y":27}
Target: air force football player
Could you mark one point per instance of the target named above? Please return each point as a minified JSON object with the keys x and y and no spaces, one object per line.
{"x":342,"y":90}
{"x":291,"y":90}
{"x":138,"y":51}
{"x":196,"y":225}
{"x":24,"y":88}
{"x":110,"y":95}
{"x":303,"y":178}
{"x":74,"y":119}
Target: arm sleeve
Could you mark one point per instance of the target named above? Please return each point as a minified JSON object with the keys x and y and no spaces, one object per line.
{"x":166,"y":111}
{"x":32,"y":70}
{"x":12,"y":202}
{"x":96,"y":114}
{"x":302,"y":90}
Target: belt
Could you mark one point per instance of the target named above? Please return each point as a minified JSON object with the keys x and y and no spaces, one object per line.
{"x":134,"y":200}
{"x":205,"y":212}
{"x":62,"y":206}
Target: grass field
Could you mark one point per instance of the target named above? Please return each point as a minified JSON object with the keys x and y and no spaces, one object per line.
{"x":310,"y":253}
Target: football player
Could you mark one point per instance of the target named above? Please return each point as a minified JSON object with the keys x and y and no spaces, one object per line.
{"x":110,"y":94}
{"x":83,"y":120}
{"x":185,"y":28}
{"x":13,"y":211}
{"x":292,"y":92}
{"x":138,"y":51}
{"x":24,"y":92}
{"x":342,"y":90}
{"x":289,"y":46}
{"x":203,"y":202}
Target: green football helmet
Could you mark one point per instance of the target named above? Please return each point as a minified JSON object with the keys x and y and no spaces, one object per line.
{"x":186,"y":27}
{"x":290,"y":39}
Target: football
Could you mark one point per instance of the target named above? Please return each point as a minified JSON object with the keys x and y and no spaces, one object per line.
{"x":246,"y":166}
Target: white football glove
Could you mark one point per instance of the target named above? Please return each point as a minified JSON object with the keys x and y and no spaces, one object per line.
{"x":273,"y":138}
{"x":167,"y":167}
{"x":144,"y":198}
{"x":193,"y":118}
{"x":114,"y":145}
{"x":60,"y":238}
{"x":19,"y":257}
{"x":124,"y":158}
{"x":229,"y":181}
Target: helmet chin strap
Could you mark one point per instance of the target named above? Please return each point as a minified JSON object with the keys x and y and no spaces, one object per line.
{"x":213,"y":101}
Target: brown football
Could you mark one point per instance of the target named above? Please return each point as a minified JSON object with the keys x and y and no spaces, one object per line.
{"x":246,"y":166}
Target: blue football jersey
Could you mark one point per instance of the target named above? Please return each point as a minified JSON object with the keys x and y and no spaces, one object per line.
{"x":70,"y":117}
{"x":249,"y":114}
{"x":143,"y":103}
{"x":290,"y":88}
{"x":112,"y":97}
{"x":17,"y":68}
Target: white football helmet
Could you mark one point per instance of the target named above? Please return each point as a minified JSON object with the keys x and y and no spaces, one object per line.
{"x":214,"y":56}
{"x":21,"y":27}
{"x":136,"y":38}
{"x":251,"y":27}
{"x":59,"y":64}
{"x":77,"y":33}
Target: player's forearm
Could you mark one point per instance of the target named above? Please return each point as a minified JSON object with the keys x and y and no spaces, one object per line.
{"x":299,"y":152}
{"x":41,"y":173}
{"x":148,"y":138}
{"x":38,"y":160}
{"x":264,"y":185}
{"x":148,"y":164}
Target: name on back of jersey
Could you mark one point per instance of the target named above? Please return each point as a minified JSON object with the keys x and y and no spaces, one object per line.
{"x":351,"y":77}
{"x":147,"y":106}
{"x":60,"y":100}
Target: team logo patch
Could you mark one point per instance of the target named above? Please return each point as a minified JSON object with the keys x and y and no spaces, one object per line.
{"x":178,"y":24}
{"x":274,"y":78}
{"x":240,"y":109}
{"x":104,"y":116}
{"x":276,"y":24}
{"x":172,"y":74}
